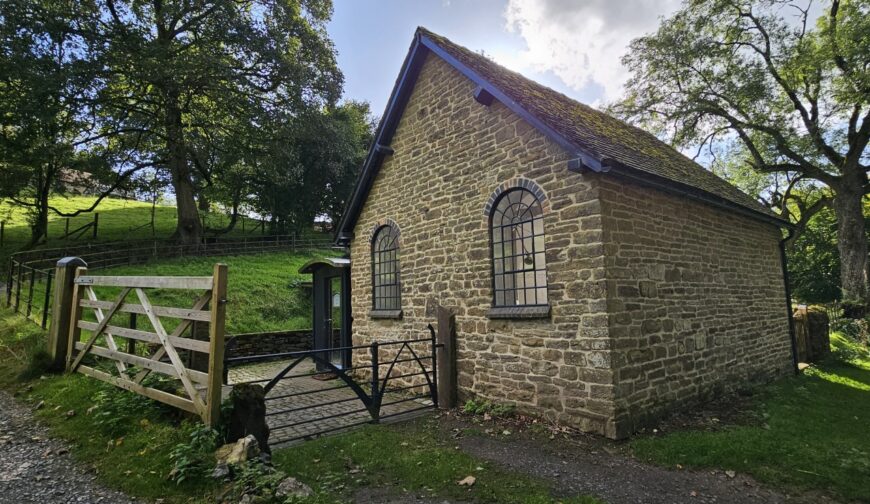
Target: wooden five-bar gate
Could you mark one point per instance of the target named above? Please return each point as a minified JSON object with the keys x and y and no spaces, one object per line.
{"x":101,"y":347}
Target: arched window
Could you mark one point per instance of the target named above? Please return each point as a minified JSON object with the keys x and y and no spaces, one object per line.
{"x":519,"y":269}
{"x":386,"y":293}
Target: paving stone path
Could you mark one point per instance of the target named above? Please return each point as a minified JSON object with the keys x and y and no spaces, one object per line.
{"x":318,"y":406}
{"x":37,"y":469}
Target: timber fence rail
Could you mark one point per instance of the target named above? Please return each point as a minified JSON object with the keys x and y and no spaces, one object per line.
{"x":29,"y":275}
{"x":108,"y":351}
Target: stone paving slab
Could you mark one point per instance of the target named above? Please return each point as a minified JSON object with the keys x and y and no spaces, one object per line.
{"x":324,"y":406}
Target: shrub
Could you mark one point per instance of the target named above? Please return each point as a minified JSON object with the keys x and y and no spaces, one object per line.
{"x":857,"y":330}
{"x":194,"y":458}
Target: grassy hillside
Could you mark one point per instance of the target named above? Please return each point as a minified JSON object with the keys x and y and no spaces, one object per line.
{"x":119,"y":220}
{"x":265,"y":291}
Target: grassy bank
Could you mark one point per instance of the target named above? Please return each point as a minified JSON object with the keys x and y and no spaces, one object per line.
{"x":120,"y":220}
{"x":266,"y":291}
{"x":811,"y":431}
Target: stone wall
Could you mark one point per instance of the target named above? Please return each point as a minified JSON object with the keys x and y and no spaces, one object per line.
{"x":696,"y":301}
{"x":656,"y":301}
{"x":451,"y":153}
{"x":247,"y":345}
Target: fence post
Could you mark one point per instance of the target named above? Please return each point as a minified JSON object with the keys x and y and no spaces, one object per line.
{"x":62,"y":310}
{"x":96,"y":222}
{"x":447,"y":390}
{"x":218,"y":308}
{"x":376,"y":396}
{"x":9,"y":280}
{"x":131,"y":343}
{"x":30,"y":292}
{"x":18,"y":288}
{"x":2,"y":231}
{"x":75,"y":314}
{"x":46,"y":302}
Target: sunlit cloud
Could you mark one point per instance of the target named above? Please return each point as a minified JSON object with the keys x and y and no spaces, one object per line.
{"x":581,"y":42}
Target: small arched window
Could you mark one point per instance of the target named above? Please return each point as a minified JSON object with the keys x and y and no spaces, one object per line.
{"x":386,"y":292}
{"x":519,"y":269}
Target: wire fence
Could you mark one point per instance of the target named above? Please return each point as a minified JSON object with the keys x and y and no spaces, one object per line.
{"x":30,"y":274}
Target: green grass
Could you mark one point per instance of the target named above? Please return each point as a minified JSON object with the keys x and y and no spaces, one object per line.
{"x":264,"y":291}
{"x":120,"y":220}
{"x":132,"y":453}
{"x":813,"y":432}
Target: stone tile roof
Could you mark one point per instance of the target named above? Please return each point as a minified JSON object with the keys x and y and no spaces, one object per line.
{"x":604,"y":137}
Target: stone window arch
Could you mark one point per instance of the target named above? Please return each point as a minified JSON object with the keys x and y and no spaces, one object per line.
{"x":386,"y":286}
{"x":516,"y":226}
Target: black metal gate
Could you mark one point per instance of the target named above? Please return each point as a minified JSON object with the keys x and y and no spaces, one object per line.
{"x":386,"y":380}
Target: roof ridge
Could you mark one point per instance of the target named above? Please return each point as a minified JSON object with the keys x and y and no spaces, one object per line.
{"x":596,"y":131}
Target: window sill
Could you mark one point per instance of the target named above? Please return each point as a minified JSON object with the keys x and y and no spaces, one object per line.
{"x":519,"y":312}
{"x":385,"y":314}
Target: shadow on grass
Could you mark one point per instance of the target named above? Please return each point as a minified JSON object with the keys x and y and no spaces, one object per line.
{"x":814,"y":434}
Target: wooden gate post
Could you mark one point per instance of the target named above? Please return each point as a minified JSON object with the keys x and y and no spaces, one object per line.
{"x":61,"y":310}
{"x":446,"y":336}
{"x":218,"y":307}
{"x":75,"y":314}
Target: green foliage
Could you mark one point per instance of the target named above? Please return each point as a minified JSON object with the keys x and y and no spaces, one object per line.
{"x":473,"y":407}
{"x":856,"y":330}
{"x":116,"y":411}
{"x":814,"y":263}
{"x":813,"y":435}
{"x":20,"y":342}
{"x":195,"y":457}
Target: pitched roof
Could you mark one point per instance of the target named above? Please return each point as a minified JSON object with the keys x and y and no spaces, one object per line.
{"x":600,"y":142}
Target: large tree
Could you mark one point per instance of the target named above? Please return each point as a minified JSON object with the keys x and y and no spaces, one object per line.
{"x":176,"y":70}
{"x":786,"y":86}
{"x":49,"y":132}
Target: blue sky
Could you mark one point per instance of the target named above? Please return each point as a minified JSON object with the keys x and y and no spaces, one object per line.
{"x":573,"y":46}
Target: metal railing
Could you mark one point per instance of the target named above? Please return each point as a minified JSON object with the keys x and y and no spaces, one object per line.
{"x":366,"y":392}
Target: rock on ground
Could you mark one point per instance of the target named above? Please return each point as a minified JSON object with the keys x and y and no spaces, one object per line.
{"x":37,"y":469}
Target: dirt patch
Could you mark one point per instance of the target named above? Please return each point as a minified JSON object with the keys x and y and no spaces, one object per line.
{"x":575,"y":464}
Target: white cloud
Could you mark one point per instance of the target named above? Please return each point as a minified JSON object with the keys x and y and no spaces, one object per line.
{"x":582,"y":41}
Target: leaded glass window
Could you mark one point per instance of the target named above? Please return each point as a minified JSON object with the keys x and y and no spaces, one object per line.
{"x":386,"y":292}
{"x":518,"y":262}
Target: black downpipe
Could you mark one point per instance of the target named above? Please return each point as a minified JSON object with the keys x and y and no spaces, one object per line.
{"x":784,"y":262}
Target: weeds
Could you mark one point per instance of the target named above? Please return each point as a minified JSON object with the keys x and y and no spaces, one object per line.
{"x":487,"y":408}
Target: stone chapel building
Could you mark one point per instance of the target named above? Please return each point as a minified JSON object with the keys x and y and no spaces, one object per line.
{"x":599,"y":277}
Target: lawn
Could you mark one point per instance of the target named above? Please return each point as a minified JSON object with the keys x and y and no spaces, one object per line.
{"x":129,"y":441}
{"x":119,"y":220}
{"x":812,"y":431}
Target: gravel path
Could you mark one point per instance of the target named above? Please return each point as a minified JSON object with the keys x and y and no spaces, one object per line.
{"x":37,"y":469}
{"x":619,"y":479}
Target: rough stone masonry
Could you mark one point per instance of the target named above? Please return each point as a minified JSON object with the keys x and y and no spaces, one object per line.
{"x":656,"y":301}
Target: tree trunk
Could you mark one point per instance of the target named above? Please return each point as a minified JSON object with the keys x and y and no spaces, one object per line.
{"x":188,"y":229}
{"x":852,"y":247}
{"x":39,"y":227}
